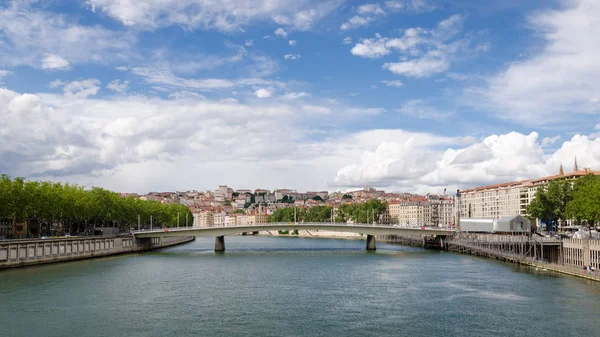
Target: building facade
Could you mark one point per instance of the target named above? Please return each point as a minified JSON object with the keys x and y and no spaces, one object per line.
{"x":496,"y":201}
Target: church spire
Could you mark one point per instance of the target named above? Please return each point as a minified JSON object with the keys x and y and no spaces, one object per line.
{"x":576,"y":168}
{"x":561,"y":172}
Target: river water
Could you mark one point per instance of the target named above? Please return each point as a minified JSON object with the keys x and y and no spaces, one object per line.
{"x":265,"y":286}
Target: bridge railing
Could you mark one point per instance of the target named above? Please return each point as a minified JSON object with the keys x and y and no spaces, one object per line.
{"x":290,"y":224}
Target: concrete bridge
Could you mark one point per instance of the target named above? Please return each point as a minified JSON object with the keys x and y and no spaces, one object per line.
{"x":220,"y":232}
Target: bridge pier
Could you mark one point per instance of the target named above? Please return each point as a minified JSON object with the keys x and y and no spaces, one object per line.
{"x":371,"y":242}
{"x":220,"y":243}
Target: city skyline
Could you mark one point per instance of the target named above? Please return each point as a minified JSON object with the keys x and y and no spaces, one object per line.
{"x":411,"y":96}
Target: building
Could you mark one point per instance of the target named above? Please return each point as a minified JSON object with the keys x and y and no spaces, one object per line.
{"x":203,"y":219}
{"x":429,"y":210}
{"x":513,"y":198}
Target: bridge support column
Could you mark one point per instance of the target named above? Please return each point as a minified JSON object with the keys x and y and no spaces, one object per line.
{"x":220,"y":244}
{"x":371,"y":242}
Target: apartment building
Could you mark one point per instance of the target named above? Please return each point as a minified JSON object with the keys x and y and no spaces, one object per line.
{"x":429,"y":210}
{"x":513,"y":198}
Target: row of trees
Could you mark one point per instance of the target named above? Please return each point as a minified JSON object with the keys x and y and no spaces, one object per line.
{"x":561,"y":200}
{"x":361,"y":213}
{"x":46,"y":207}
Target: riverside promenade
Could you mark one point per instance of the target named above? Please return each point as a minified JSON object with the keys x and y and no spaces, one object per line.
{"x":21,"y":253}
{"x":568,"y":256}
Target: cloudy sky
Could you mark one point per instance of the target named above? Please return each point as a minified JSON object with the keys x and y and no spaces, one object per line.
{"x":405,"y":95}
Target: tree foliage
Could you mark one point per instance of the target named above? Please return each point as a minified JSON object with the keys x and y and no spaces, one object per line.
{"x":564,"y":199}
{"x":49,"y":208}
{"x":361,"y":213}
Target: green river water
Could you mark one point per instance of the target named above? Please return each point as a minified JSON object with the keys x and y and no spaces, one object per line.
{"x":266,"y":286}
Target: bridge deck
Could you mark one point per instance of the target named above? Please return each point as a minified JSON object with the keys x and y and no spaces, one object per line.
{"x":359,"y":228}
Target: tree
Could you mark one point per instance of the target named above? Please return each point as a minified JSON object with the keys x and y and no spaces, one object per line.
{"x":585,"y":203}
{"x":42,"y":205}
{"x":346,"y":196}
{"x":317,"y":198}
{"x":541,"y":207}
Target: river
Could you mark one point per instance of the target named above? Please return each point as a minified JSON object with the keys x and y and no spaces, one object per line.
{"x":266,"y":286}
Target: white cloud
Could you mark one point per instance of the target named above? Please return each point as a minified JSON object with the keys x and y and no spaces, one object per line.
{"x":292,"y":42}
{"x":4,"y":73}
{"x":424,"y":51}
{"x":415,"y":164}
{"x":263,"y":93}
{"x":82,"y":89}
{"x":347,"y":40}
{"x":291,"y":56}
{"x":40,"y":39}
{"x":295,"y":95}
{"x":165,"y":77}
{"x":122,"y":68}
{"x":416,"y":6}
{"x":418,"y":108}
{"x":227,"y":16}
{"x":55,"y":62}
{"x":118,"y":86}
{"x":374,"y":9}
{"x":356,"y":21}
{"x":249,"y":43}
{"x":281,"y":33}
{"x":560,"y":80}
{"x":423,"y":67}
{"x":371,"y":48}
{"x":394,"y":83}
{"x":112,"y":142}
{"x":548,"y":141}
{"x":315,"y":109}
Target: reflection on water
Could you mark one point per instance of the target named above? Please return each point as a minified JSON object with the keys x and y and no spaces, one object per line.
{"x":264,"y":286}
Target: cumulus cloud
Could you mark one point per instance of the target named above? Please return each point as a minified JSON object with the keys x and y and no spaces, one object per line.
{"x":425,"y":52}
{"x":292,"y":42}
{"x":291,"y":56}
{"x":548,"y":141}
{"x":114,"y":142}
{"x":414,"y":164}
{"x":560,"y":80}
{"x":370,"y":9}
{"x":356,"y":21}
{"x":82,"y":89}
{"x":227,"y":16}
{"x":280,"y":32}
{"x":263,"y":93}
{"x":347,"y":40}
{"x":55,"y":62}
{"x":46,"y":40}
{"x":118,"y":86}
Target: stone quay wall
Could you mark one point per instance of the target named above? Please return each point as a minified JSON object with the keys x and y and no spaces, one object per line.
{"x":21,"y":253}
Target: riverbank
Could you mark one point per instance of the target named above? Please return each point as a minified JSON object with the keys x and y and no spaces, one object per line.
{"x":537,"y":254}
{"x":22,"y":253}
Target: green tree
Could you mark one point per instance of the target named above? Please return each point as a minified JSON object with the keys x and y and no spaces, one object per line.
{"x":346,"y":196}
{"x":317,"y":198}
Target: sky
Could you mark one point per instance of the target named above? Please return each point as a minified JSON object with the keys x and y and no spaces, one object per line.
{"x":407,"y":95}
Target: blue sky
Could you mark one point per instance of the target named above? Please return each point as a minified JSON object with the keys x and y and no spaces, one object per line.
{"x":406,"y":95}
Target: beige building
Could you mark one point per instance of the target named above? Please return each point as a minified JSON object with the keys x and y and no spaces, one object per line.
{"x":430,"y":210}
{"x":496,"y":201}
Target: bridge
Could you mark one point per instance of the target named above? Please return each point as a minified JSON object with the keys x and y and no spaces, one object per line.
{"x":220,"y":232}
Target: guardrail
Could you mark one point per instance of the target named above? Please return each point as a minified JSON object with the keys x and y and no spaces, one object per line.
{"x":338,"y":224}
